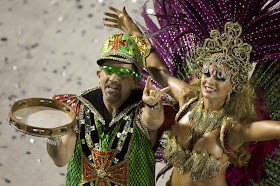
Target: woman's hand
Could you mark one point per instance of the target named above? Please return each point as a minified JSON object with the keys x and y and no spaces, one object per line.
{"x":151,"y":94}
{"x":122,"y":21}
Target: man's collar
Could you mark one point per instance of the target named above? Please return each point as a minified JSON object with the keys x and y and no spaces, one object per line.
{"x":95,"y":97}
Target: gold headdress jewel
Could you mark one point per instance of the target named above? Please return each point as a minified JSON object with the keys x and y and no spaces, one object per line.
{"x":226,"y":50}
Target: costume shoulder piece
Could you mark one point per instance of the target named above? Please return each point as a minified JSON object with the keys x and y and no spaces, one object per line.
{"x":72,"y":101}
{"x":69,"y":99}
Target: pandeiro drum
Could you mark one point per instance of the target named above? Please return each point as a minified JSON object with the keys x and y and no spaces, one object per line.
{"x":42,"y":117}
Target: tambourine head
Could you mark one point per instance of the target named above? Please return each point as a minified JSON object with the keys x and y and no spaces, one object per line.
{"x":42,"y":117}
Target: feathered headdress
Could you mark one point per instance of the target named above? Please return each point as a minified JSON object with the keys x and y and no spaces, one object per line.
{"x":186,"y":24}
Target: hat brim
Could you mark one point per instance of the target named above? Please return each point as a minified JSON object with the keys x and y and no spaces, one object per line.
{"x":101,"y":60}
{"x":121,"y":57}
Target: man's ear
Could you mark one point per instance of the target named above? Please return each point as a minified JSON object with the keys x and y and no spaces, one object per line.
{"x":98,"y":72}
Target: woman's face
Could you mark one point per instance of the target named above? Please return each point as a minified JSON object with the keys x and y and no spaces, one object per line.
{"x":215,"y":82}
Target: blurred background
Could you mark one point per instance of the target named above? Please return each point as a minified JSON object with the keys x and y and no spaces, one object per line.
{"x":47,"y":47}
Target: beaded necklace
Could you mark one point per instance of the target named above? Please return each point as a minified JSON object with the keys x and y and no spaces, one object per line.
{"x":204,"y":121}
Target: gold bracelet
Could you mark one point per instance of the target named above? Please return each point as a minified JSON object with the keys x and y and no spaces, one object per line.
{"x":144,"y":46}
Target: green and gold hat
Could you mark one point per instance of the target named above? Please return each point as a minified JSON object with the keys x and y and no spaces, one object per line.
{"x":122,"y":48}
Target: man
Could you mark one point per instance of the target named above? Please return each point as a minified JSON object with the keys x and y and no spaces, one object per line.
{"x":115,"y":132}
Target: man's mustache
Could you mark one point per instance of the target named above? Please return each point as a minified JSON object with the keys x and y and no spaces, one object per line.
{"x":114,"y":85}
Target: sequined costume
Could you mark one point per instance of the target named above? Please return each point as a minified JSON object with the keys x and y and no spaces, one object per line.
{"x":118,"y":154}
{"x":184,"y":25}
{"x":201,"y":166}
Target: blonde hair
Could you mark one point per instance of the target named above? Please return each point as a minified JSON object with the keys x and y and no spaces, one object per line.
{"x":241,"y":108}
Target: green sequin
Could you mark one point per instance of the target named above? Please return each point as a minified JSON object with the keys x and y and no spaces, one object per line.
{"x":74,"y":170}
{"x":105,"y":138}
{"x":141,"y":159}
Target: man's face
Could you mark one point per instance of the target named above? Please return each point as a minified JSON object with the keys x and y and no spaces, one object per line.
{"x":115,"y":88}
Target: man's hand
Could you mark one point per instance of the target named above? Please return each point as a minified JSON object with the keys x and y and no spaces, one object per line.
{"x":151,"y":94}
{"x":122,"y":21}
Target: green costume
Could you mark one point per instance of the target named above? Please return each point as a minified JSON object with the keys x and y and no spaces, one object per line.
{"x":118,"y":154}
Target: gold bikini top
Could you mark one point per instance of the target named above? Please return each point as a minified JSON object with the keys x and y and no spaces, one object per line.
{"x":200,"y":166}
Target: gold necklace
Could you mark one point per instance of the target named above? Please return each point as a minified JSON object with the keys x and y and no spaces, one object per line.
{"x":204,"y":121}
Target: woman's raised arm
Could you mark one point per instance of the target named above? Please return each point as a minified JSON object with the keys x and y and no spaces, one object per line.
{"x":156,"y":67}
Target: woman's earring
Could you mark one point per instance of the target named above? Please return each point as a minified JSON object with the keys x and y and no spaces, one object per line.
{"x":228,"y":98}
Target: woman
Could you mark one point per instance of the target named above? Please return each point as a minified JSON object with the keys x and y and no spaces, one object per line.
{"x":217,"y":113}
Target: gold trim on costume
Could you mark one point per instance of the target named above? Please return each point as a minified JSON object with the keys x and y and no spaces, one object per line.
{"x":201,"y":166}
{"x":204,"y":122}
{"x":97,"y":114}
{"x":142,"y":124}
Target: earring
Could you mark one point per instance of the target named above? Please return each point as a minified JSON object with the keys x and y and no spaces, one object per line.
{"x":228,"y":98}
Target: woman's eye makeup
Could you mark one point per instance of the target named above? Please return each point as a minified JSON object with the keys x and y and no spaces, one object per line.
{"x":207,"y":74}
{"x":220,"y":76}
{"x":206,"y":71}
